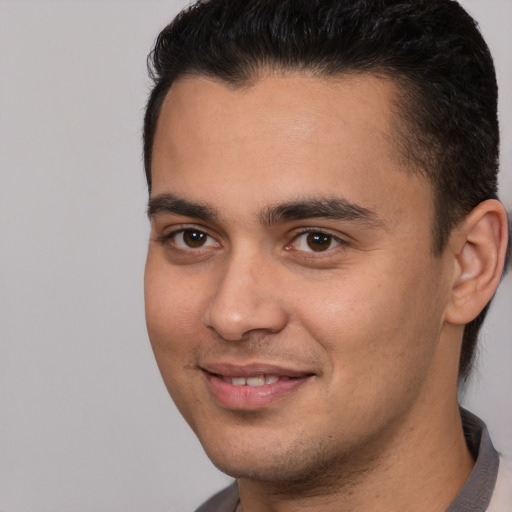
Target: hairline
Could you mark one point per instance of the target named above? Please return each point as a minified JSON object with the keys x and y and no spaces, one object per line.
{"x":406,"y":147}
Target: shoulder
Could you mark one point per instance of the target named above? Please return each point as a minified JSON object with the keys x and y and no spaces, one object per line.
{"x":224,"y":501}
{"x":501,"y":500}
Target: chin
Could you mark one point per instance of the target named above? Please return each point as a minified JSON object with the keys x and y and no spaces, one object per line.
{"x":255,"y":457}
{"x":256,"y":469}
{"x":298,"y":474}
{"x":271,"y":460}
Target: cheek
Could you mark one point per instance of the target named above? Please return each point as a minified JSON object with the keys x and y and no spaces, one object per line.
{"x":378,"y":347}
{"x":172,"y":324}
{"x":173,"y":309}
{"x":370,"y":323}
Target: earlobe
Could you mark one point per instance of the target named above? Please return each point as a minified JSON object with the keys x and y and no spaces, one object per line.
{"x":479,"y":246}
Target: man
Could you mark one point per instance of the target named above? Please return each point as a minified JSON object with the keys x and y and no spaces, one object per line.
{"x":326,"y":238}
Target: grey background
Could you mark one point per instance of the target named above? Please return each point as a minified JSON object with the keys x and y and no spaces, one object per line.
{"x":85,"y":422}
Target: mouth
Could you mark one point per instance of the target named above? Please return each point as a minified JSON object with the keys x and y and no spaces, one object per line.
{"x":256,"y":380}
{"x":252,"y":387}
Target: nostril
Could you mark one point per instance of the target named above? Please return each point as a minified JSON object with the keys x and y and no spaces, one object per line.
{"x":234,"y":318}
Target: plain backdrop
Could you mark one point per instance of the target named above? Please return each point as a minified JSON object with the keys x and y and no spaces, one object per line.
{"x":85,"y":422}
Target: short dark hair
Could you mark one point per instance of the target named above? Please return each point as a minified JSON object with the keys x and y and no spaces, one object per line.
{"x":447,"y":125}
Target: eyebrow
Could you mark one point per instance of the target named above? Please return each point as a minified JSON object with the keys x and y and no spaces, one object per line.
{"x":169,"y":204}
{"x":334,"y":208}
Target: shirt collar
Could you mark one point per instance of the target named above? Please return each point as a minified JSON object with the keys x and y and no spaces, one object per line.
{"x":476,"y":493}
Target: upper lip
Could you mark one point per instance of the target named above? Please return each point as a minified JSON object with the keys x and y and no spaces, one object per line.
{"x":253,"y":370}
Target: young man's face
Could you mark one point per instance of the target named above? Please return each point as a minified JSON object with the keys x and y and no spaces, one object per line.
{"x":293,"y":300}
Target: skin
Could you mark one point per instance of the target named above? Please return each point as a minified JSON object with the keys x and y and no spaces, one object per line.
{"x":370,"y":315}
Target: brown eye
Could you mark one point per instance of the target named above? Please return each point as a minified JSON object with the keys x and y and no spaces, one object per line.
{"x":192,"y":239}
{"x":316,"y":241}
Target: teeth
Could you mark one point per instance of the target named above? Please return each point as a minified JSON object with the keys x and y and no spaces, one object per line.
{"x":257,"y":380}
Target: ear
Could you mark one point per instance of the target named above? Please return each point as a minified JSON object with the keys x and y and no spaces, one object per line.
{"x":478,"y":246}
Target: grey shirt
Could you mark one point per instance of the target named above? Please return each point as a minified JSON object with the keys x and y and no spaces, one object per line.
{"x":474,"y":496}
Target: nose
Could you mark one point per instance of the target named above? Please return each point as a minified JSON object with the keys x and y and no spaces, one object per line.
{"x":246,"y":300}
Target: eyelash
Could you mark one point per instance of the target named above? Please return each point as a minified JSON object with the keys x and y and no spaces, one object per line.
{"x":312,"y":231}
{"x":333,"y":241}
{"x":170,"y":237}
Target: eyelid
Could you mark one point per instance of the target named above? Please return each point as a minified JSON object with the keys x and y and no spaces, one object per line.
{"x":182,"y":228}
{"x":307,"y":231}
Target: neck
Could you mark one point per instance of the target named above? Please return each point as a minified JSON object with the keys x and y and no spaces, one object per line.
{"x":426,"y":457}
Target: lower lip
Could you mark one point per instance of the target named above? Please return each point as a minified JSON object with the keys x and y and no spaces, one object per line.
{"x":251,"y":398}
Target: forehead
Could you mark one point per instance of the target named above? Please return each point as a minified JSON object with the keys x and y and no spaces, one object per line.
{"x":281,"y":138}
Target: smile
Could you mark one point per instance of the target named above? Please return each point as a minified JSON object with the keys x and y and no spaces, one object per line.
{"x":252,"y":387}
{"x":257,"y":380}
